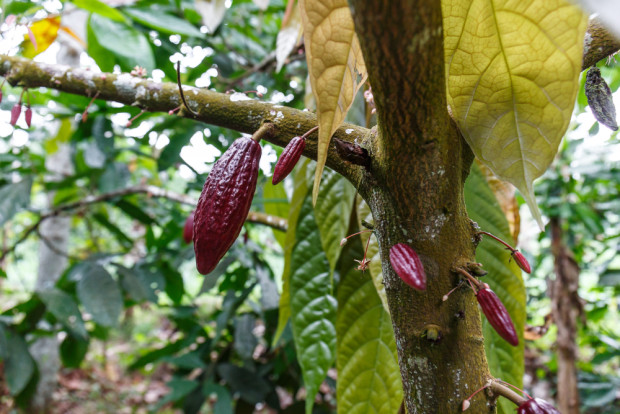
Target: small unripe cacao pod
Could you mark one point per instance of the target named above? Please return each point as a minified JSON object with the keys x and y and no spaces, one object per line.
{"x":521,"y":261}
{"x":15,"y":111}
{"x":408,"y":265}
{"x":497,"y":315}
{"x":288,"y":159}
{"x":224,"y":202}
{"x":28,"y":116}
{"x":188,"y":229}
{"x":537,"y":406}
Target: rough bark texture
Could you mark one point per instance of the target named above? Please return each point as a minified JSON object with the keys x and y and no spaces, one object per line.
{"x":415,"y":191}
{"x":566,"y":307}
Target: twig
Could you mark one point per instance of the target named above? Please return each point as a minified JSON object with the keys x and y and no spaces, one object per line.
{"x":181,"y":89}
{"x":274,"y":222}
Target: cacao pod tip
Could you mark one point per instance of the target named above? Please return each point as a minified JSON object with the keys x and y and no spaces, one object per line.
{"x":408,"y":266}
{"x":466,"y":404}
{"x":537,"y":406}
{"x":521,"y":261}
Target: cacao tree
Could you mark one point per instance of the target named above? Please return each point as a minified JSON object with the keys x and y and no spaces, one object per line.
{"x":449,"y":81}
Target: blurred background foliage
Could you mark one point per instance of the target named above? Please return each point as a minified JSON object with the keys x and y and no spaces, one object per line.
{"x":139,"y":329}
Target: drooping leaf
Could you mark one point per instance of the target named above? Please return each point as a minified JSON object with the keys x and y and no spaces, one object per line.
{"x":335,"y":66}
{"x":73,"y":350}
{"x":313,"y":308}
{"x":512,"y":70}
{"x":141,"y":284}
{"x":368,"y":372}
{"x":44,"y":32}
{"x":333,"y":213}
{"x":164,"y":22}
{"x":64,"y":308}
{"x":504,"y":278}
{"x":302,"y":186}
{"x":289,"y":34}
{"x":252,"y":387}
{"x":212,"y":12}
{"x":13,"y":198}
{"x":376,"y":272}
{"x":100,"y":295}
{"x":130,"y":47}
{"x":245,"y":341}
{"x":18,"y":364}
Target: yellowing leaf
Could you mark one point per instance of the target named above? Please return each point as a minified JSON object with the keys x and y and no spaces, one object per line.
{"x":212,"y":12}
{"x":44,"y":32}
{"x":512,"y":70}
{"x":289,"y":34}
{"x":335,"y":65}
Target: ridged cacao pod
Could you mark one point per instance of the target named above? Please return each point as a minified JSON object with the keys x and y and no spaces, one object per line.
{"x":600,"y":100}
{"x":188,"y":229}
{"x":288,"y":159}
{"x":537,"y":406}
{"x":521,"y":261}
{"x":224,"y":202}
{"x":408,"y":266}
{"x":497,"y":315}
{"x":15,"y":111}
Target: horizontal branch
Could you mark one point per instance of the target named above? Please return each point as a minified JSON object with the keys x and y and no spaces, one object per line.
{"x":598,"y":44}
{"x":277,"y":223}
{"x":234,"y":111}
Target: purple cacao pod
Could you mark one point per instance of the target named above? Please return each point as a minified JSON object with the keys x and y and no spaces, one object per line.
{"x":521,"y":261}
{"x":188,"y":229}
{"x":15,"y":111}
{"x":224,"y":202}
{"x":288,"y":159}
{"x":537,"y":406}
{"x":408,"y":266}
{"x":497,"y":315}
{"x":28,"y":116}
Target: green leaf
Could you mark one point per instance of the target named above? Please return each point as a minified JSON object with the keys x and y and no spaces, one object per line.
{"x":130,"y":47}
{"x":179,"y":389}
{"x":245,"y":341}
{"x":13,"y":198}
{"x":116,"y":176}
{"x":368,"y":372}
{"x":276,"y":204}
{"x":133,"y":211}
{"x":512,"y":70}
{"x":72,"y":351}
{"x":302,"y":182}
{"x":100,"y":295}
{"x":504,"y":278}
{"x":376,"y":272}
{"x":18,"y":364}
{"x":252,"y":387}
{"x":313,"y":308}
{"x":333,"y":212}
{"x":141,"y":284}
{"x":223,"y":403}
{"x":164,"y":22}
{"x":64,"y":308}
{"x":105,"y":60}
{"x":102,"y":9}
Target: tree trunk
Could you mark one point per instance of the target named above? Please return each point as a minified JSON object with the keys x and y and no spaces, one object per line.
{"x":566,"y":308}
{"x":415,"y":191}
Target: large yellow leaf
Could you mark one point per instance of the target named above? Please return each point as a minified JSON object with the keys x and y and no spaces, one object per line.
{"x":512,"y":69}
{"x":335,"y":65}
{"x":44,"y":33}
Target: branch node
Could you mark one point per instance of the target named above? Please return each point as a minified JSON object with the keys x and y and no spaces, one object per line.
{"x":353,"y":153}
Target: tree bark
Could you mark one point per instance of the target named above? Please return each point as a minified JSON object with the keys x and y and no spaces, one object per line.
{"x":415,"y":191}
{"x":566,"y":307}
